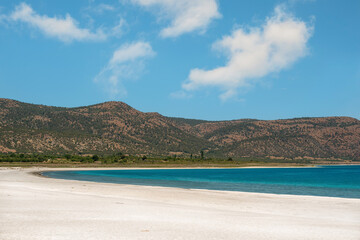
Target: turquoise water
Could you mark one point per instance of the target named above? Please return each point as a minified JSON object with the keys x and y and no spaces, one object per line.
{"x":333,"y":181}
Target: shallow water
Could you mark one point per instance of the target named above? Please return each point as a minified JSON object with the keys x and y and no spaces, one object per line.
{"x":333,"y":181}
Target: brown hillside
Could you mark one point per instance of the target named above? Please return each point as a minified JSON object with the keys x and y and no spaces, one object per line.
{"x":116,"y":127}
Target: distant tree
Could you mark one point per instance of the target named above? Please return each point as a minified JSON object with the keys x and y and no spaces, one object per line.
{"x":191,"y":156}
{"x":22,"y":155}
{"x":67,"y":156}
{"x":144,"y":158}
{"x":202,"y":154}
{"x":41,"y":158}
{"x":95,"y":157}
{"x":230,"y":159}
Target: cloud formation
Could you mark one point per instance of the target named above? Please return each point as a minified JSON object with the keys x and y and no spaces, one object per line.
{"x":102,"y":7}
{"x":185,"y":15}
{"x":126,"y":63}
{"x":65,"y":29}
{"x":254,"y":53}
{"x":119,"y":29}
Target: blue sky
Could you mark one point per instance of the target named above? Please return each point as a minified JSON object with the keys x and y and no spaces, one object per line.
{"x":204,"y":59}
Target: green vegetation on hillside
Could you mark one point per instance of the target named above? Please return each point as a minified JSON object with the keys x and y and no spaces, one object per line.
{"x":121,"y":160}
{"x":107,"y":128}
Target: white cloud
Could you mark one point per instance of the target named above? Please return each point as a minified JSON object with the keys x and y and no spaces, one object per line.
{"x":64,"y":29}
{"x":180,"y":94}
{"x":126,"y":63}
{"x":185,"y":15}
{"x":119,"y":29}
{"x":99,"y":9}
{"x":102,"y":7}
{"x":255,"y":53}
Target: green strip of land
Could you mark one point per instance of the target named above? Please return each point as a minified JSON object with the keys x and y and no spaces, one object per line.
{"x":121,"y":160}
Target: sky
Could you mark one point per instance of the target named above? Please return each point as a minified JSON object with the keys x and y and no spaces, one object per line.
{"x":202,"y":59}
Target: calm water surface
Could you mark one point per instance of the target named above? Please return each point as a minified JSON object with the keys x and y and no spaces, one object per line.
{"x":333,"y":181}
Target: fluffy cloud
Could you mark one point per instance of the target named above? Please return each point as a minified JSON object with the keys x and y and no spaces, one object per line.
{"x":185,"y":15}
{"x":254,"y":53}
{"x":64,"y":29}
{"x":126,"y":63}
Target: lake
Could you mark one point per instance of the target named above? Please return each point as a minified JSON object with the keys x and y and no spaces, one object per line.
{"x":332,"y":181}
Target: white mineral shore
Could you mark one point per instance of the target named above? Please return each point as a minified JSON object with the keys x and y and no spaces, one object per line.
{"x":33,"y":207}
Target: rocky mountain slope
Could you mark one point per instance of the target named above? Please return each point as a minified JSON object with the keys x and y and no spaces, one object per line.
{"x":116,"y":127}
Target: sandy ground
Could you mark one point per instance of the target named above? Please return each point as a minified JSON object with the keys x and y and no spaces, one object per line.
{"x":33,"y":207}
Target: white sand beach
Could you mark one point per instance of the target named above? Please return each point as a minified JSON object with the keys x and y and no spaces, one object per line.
{"x":33,"y":207}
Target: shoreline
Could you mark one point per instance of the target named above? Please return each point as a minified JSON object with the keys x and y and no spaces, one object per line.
{"x":36,"y":207}
{"x":170,"y":166}
{"x":41,"y":174}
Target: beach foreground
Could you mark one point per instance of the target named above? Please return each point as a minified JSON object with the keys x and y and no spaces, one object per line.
{"x":33,"y":207}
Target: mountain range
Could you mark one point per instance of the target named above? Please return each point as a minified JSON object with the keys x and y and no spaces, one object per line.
{"x":114,"y":127}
